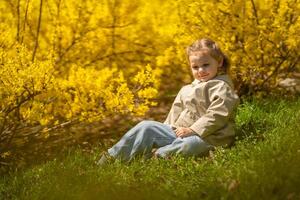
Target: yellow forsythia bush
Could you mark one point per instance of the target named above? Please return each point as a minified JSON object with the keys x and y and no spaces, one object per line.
{"x":92,"y":94}
{"x":22,"y":84}
{"x":259,"y":36}
{"x":32,"y":93}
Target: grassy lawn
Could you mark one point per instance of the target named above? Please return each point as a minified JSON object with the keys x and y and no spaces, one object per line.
{"x":263,"y":164}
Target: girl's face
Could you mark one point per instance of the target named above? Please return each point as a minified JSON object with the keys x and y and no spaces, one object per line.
{"x":203,"y":66}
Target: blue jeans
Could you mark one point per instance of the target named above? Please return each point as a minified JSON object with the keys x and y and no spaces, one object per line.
{"x":151,"y":134}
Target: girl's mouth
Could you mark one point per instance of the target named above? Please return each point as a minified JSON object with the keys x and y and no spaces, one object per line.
{"x":203,"y":75}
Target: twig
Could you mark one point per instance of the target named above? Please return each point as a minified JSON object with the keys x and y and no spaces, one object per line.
{"x":38,"y":31}
{"x":255,"y":12}
{"x":25,"y":20}
{"x":4,"y":163}
{"x":62,"y":125}
{"x":272,"y":74}
{"x":18,"y":22}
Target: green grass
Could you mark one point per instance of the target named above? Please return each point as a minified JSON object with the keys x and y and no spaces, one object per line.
{"x":263,"y":164}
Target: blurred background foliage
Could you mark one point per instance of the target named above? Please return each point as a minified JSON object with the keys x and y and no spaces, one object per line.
{"x":72,"y":70}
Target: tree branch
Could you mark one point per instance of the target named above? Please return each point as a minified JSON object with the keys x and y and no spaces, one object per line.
{"x":255,"y":12}
{"x":25,"y":20}
{"x":18,"y":21}
{"x":38,"y":31}
{"x":274,"y":71}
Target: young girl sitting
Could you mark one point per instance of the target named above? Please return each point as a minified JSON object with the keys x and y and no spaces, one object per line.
{"x":201,"y":117}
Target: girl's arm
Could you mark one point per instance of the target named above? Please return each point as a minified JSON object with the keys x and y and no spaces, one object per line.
{"x":223,"y":103}
{"x":176,"y":109}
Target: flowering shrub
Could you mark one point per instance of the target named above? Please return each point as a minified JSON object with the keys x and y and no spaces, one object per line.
{"x":86,"y":60}
{"x":32,"y":94}
{"x":259,"y":37}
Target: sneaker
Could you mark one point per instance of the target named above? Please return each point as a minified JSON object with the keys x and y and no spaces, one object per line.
{"x":156,"y":156}
{"x":104,"y":159}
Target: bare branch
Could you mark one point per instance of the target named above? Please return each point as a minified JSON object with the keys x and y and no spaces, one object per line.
{"x":4,"y":163}
{"x":255,"y":12}
{"x":38,"y":30}
{"x":62,"y":125}
{"x":21,"y":102}
{"x":116,"y":26}
{"x":13,"y":133}
{"x":275,"y":70}
{"x":25,"y":20}
{"x":18,"y":21}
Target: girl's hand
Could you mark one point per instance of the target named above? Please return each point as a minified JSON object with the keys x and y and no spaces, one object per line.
{"x":183,"y":132}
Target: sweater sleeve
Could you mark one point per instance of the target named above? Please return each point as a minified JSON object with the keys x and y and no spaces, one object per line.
{"x":176,"y":109}
{"x":223,"y":102}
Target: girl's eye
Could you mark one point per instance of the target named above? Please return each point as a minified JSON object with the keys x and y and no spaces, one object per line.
{"x":205,"y":65}
{"x":195,"y":67}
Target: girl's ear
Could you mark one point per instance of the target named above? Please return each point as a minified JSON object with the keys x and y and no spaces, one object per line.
{"x":221,"y":62}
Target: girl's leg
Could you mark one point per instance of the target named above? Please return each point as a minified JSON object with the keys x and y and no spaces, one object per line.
{"x":187,"y":146}
{"x":141,"y":139}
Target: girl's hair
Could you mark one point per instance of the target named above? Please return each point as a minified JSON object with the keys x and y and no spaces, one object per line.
{"x":208,"y":45}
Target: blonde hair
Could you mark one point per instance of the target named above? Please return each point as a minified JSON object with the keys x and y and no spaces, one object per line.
{"x":211,"y":47}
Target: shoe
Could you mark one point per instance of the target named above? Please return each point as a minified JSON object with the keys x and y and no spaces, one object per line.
{"x":157,"y":156}
{"x":104,"y":159}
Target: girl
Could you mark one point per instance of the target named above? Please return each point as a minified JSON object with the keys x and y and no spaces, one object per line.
{"x":201,"y":117}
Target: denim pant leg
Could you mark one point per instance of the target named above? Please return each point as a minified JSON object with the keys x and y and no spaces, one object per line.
{"x":141,"y":139}
{"x":187,"y":146}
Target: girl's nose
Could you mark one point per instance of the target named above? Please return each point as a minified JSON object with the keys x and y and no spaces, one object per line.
{"x":200,"y":69}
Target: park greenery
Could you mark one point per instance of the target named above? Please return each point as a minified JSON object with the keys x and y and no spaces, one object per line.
{"x":263,"y":164}
{"x":73,"y":65}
